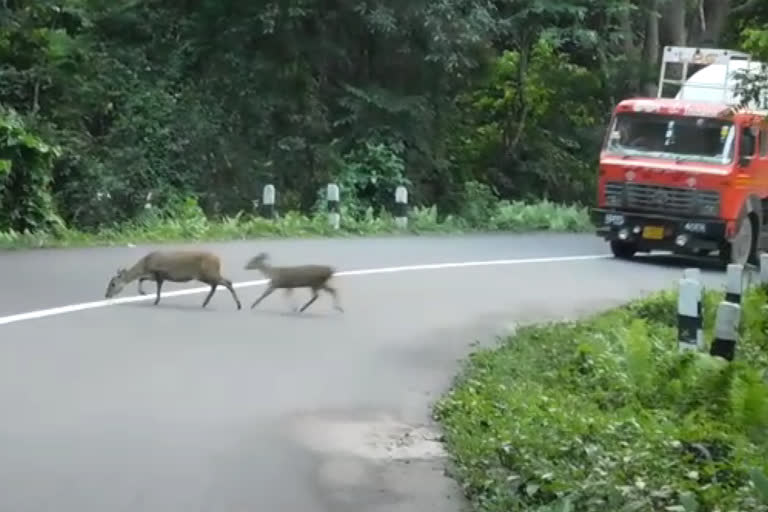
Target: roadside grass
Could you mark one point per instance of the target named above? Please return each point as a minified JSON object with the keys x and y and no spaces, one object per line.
{"x":604,"y":415}
{"x":187,"y":222}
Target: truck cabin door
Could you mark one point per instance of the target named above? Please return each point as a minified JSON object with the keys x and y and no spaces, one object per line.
{"x":761,"y":161}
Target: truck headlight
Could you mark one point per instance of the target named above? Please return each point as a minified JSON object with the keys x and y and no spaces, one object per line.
{"x":708,"y":202}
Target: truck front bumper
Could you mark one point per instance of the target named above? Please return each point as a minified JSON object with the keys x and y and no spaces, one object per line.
{"x":659,"y":232}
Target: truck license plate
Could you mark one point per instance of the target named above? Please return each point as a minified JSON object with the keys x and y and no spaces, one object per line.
{"x":653,"y":232}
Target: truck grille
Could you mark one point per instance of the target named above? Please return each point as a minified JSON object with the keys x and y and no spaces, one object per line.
{"x":658,"y":198}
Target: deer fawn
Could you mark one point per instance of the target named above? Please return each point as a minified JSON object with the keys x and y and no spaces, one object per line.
{"x":300,"y":276}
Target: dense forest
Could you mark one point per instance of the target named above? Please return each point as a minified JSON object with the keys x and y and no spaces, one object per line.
{"x":106,"y":102}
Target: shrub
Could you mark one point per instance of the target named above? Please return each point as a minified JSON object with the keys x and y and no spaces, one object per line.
{"x":606,"y":414}
{"x":26,"y":162}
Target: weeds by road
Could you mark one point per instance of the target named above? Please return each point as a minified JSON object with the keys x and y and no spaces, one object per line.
{"x":187,"y":222}
{"x":605,"y":414}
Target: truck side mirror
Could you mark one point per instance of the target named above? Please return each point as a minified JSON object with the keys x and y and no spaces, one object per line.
{"x":747,"y":149}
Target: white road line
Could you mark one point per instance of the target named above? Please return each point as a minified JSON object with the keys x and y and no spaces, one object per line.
{"x":72,"y":308}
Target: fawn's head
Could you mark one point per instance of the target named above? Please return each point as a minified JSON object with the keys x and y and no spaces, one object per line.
{"x":117,"y":283}
{"x":257,"y":262}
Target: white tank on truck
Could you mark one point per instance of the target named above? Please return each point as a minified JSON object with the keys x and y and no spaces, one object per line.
{"x":716,"y":81}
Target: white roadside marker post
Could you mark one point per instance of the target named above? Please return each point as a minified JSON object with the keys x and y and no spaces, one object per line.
{"x":401,"y":207}
{"x":332,"y":197}
{"x":690,"y":334}
{"x":268,"y":202}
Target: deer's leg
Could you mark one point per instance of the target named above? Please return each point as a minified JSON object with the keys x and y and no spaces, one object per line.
{"x":310,"y":301}
{"x":141,"y":281}
{"x":159,"y":281}
{"x":268,"y":291}
{"x":228,"y":284}
{"x":210,"y":294}
{"x":330,"y":289}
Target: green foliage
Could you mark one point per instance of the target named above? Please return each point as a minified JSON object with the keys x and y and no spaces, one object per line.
{"x":478,"y":203}
{"x":368,"y":176}
{"x":607,"y":414}
{"x":756,"y":41}
{"x":754,"y":85}
{"x":547,"y":215}
{"x":25,"y":177}
{"x":216,"y":99}
{"x":761,"y":483}
{"x":544,"y":143}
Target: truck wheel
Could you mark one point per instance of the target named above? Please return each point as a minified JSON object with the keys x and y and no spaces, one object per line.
{"x":623,"y":250}
{"x":741,"y":249}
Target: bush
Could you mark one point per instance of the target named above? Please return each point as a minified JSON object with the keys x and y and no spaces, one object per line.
{"x":606,"y":415}
{"x":184,"y":220}
{"x":26,"y":162}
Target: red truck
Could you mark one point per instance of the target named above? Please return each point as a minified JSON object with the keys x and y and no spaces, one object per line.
{"x":689,"y":173}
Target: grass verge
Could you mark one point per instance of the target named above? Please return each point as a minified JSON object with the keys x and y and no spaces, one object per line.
{"x":604,"y":415}
{"x":186,"y":221}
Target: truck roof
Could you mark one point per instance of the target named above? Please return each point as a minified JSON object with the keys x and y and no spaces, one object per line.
{"x":673,"y":106}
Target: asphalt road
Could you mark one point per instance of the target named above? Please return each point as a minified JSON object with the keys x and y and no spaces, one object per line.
{"x":172,"y":408}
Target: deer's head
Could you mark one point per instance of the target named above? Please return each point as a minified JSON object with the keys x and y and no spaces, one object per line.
{"x":117,"y":283}
{"x":257,"y":262}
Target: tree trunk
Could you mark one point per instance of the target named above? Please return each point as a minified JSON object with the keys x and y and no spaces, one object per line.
{"x":628,"y":47}
{"x":673,"y":29}
{"x":522,"y":75}
{"x":715,"y":18}
{"x":627,"y":34}
{"x":651,"y":45}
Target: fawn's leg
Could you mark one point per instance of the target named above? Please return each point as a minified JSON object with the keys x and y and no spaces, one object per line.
{"x":228,"y":284}
{"x":289,"y":296}
{"x":210,"y":293}
{"x":310,"y":301}
{"x":268,"y":291}
{"x":335,"y":296}
{"x":159,"y":282}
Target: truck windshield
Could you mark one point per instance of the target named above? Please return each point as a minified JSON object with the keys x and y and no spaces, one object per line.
{"x":694,"y":139}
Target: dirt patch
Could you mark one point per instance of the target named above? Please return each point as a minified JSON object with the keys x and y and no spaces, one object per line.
{"x":378,"y":438}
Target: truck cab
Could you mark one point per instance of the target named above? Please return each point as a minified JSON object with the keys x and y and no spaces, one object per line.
{"x":687,"y":173}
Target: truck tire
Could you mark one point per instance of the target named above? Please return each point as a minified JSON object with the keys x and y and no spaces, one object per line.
{"x":623,"y":250}
{"x":741,"y":249}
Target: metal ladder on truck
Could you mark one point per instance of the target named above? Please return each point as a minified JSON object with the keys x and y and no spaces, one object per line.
{"x":690,"y":56}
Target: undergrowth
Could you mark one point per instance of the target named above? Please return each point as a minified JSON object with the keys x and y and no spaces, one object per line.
{"x":185,"y":221}
{"x":605,"y":414}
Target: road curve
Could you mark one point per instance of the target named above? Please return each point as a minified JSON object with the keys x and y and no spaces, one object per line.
{"x":171,"y":408}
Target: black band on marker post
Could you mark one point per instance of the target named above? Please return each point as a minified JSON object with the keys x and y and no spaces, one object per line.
{"x":723,"y":348}
{"x":727,"y":322}
{"x":734,"y":283}
{"x":268,"y":211}
{"x":688,"y":328}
